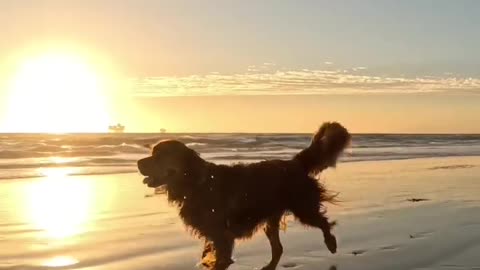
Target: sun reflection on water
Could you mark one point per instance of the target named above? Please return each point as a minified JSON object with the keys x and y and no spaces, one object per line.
{"x":58,"y":204}
{"x":56,"y":160}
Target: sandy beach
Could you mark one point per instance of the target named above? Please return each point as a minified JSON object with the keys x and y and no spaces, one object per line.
{"x":114,"y":222}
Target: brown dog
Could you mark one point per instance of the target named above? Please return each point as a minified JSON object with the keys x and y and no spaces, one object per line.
{"x":221,"y":203}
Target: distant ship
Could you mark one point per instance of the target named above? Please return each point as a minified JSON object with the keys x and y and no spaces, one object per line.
{"x":118,"y":128}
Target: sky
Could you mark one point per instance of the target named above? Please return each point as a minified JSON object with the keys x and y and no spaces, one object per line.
{"x":258,"y":66}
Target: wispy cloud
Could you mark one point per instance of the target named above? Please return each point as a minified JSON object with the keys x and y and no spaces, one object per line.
{"x":257,"y":81}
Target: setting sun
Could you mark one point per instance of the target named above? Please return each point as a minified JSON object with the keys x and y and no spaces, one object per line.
{"x":56,"y":92}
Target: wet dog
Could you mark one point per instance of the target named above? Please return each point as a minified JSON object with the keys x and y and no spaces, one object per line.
{"x":221,"y":203}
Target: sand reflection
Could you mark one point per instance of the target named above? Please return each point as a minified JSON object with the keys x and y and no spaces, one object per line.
{"x":58,"y":204}
{"x":60,"y":261}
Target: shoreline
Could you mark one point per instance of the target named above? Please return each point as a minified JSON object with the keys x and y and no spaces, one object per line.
{"x":442,"y":159}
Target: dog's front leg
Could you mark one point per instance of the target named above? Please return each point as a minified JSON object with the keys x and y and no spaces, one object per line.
{"x":223,"y":251}
{"x":208,"y":254}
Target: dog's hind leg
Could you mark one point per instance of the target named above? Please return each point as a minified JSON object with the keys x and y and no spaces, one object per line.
{"x":306,"y":206}
{"x":313,"y":217}
{"x":273,"y":233}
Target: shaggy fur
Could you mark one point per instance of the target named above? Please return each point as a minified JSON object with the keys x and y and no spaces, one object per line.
{"x":221,"y":203}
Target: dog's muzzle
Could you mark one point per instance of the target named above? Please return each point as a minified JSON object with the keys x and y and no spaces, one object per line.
{"x":153,"y":178}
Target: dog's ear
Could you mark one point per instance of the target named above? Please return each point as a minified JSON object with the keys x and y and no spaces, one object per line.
{"x":332,"y":136}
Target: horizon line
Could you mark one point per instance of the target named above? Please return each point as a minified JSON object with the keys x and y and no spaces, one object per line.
{"x":222,"y":133}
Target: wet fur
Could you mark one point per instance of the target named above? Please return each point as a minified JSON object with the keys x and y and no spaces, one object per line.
{"x":221,"y":203}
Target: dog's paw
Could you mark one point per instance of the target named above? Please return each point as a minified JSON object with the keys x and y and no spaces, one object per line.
{"x":208,"y":260}
{"x":332,"y":223}
{"x":331,"y":243}
{"x":268,"y":267}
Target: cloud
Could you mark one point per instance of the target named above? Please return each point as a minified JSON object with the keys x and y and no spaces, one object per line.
{"x":328,"y":63}
{"x":299,"y":82}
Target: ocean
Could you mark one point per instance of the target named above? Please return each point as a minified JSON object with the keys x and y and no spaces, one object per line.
{"x":33,"y":155}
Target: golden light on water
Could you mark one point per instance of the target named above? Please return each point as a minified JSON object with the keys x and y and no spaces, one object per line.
{"x":56,"y":92}
{"x":59,"y":205}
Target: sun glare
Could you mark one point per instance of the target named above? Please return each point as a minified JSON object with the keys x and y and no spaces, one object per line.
{"x":56,"y":93}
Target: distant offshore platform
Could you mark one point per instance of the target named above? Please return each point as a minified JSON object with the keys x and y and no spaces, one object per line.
{"x":118,"y":128}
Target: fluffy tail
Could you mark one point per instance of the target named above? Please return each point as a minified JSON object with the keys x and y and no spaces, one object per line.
{"x":327,"y":144}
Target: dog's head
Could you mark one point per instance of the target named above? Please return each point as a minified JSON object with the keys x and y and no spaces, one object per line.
{"x":329,"y":142}
{"x":170,"y":161}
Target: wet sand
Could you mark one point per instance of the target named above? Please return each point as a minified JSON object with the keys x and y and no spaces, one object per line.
{"x":409,"y":214}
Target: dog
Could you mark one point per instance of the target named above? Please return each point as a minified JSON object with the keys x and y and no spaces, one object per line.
{"x":221,"y":203}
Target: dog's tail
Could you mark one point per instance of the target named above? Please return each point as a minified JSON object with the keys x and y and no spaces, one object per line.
{"x":327,"y":144}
